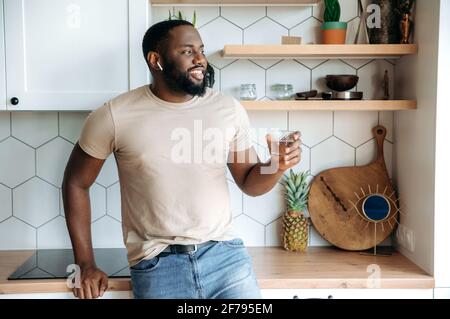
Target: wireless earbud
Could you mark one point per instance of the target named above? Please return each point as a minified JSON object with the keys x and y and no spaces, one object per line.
{"x":160,"y":67}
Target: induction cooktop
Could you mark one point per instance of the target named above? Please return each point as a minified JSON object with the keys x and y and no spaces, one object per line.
{"x":52,"y":264}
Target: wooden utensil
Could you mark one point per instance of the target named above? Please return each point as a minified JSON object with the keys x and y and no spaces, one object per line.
{"x":335,"y":202}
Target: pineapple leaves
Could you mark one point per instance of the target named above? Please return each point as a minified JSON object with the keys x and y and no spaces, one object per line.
{"x":296,"y":190}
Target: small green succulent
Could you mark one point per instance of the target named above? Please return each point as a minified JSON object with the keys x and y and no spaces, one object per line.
{"x":179,"y":16}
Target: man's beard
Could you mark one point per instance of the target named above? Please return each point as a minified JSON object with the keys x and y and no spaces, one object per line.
{"x":180,"y":81}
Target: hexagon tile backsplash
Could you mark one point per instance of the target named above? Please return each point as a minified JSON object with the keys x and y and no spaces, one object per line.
{"x":35,"y":146}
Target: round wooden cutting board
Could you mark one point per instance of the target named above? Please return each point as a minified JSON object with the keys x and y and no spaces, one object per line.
{"x":336,"y":196}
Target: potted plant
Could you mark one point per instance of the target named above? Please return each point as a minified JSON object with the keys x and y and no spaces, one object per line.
{"x":295,"y":224}
{"x":333,"y":30}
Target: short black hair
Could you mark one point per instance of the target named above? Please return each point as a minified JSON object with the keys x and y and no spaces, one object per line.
{"x":157,"y":34}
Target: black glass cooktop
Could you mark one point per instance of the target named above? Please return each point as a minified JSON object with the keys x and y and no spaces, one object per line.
{"x":52,"y":263}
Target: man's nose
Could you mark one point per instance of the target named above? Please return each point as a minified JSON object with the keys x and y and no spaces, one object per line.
{"x":199,"y":58}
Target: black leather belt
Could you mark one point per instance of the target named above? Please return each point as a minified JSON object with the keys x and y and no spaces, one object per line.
{"x":181,"y":249}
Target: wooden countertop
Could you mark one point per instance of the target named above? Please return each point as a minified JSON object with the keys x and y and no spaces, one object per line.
{"x":321,"y":267}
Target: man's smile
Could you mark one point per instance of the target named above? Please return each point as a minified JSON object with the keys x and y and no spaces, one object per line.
{"x":197,"y":74}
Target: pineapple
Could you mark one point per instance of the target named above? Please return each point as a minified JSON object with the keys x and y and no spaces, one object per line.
{"x":295,"y":225}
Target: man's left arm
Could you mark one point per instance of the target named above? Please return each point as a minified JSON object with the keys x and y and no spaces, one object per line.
{"x":255,"y":178}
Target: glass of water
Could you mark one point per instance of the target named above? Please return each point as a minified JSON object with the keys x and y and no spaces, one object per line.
{"x":281,"y":137}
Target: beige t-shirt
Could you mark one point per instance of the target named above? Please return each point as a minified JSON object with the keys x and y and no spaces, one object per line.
{"x":171,"y":159}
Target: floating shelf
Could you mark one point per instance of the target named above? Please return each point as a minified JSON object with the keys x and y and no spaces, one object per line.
{"x":235,"y":3}
{"x":321,"y":105}
{"x":314,"y":51}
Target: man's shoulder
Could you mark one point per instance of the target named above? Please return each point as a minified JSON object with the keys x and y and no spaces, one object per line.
{"x":128,"y":98}
{"x":218,"y":96}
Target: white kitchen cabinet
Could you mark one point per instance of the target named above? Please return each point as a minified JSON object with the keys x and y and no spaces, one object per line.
{"x":347,"y":293}
{"x":2,"y":62}
{"x":72,"y":55}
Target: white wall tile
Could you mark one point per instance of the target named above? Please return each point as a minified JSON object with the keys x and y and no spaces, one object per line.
{"x":107,"y":233}
{"x":114,"y":206}
{"x":10,"y":238}
{"x":54,"y":235}
{"x":265,"y":31}
{"x":265,"y":63}
{"x":5,"y":125}
{"x":361,"y":129}
{"x":309,"y":30}
{"x":274,"y":232}
{"x":51,"y":160}
{"x":235,"y":198}
{"x":70,"y":124}
{"x":35,"y":128}
{"x":311,"y":63}
{"x":266,"y":208}
{"x":109,"y":174}
{"x":367,"y":153}
{"x":349,"y":9}
{"x":97,"y":195}
{"x":159,"y":14}
{"x":331,"y":153}
{"x":19,"y":159}
{"x":251,"y":232}
{"x":357,"y":63}
{"x":240,"y":72}
{"x":289,"y":16}
{"x":305,"y":163}
{"x":229,"y":34}
{"x":315,"y":239}
{"x":371,"y":79}
{"x":243,"y":16}
{"x":36,"y":202}
{"x":262,"y":122}
{"x":217,"y":81}
{"x":5,"y":199}
{"x":203,"y":14}
{"x":329,"y":67}
{"x":314,"y":126}
{"x":288,"y":72}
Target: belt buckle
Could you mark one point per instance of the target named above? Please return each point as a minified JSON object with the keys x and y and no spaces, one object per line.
{"x":195,"y":248}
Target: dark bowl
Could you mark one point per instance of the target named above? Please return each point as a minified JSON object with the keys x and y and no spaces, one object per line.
{"x":341,"y":82}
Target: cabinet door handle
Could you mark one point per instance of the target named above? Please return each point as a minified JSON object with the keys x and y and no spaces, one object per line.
{"x":14,"y":101}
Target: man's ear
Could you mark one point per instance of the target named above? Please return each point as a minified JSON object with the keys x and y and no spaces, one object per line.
{"x":153,"y":59}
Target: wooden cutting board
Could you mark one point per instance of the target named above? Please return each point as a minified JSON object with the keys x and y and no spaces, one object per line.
{"x":336,"y":195}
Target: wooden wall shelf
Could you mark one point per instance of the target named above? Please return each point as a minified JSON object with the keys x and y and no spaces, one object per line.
{"x":235,"y":3}
{"x":320,"y":105}
{"x":315,"y":51}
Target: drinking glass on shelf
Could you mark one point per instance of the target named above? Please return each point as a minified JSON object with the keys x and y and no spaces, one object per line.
{"x":248,"y":92}
{"x":283,"y":91}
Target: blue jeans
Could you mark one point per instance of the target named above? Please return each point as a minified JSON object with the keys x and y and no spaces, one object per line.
{"x":221,"y":270}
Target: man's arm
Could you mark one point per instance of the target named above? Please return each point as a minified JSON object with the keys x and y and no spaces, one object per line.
{"x":80,"y":173}
{"x":255,"y":178}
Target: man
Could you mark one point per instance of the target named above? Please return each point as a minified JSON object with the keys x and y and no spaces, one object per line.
{"x":176,"y":216}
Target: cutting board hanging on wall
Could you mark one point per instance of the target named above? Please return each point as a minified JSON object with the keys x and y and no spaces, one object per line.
{"x":336,"y":197}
